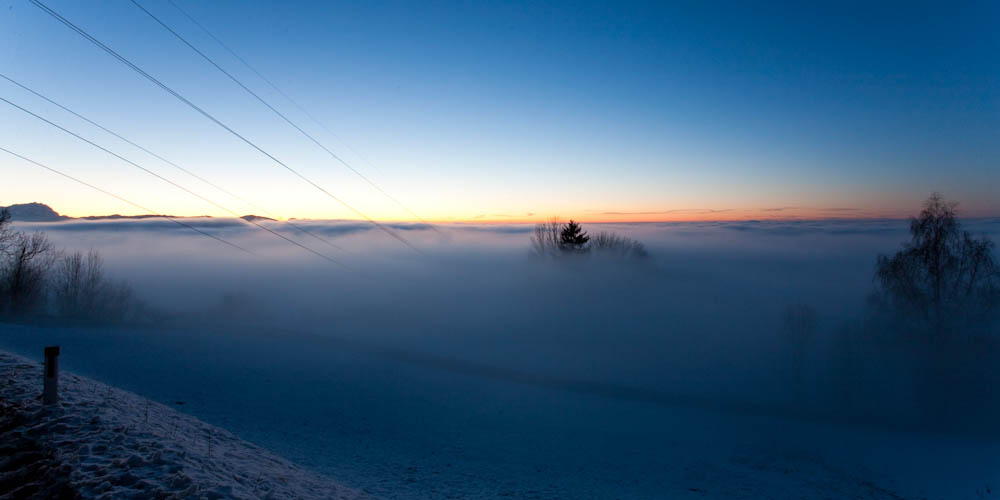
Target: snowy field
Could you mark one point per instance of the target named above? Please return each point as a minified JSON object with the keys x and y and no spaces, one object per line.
{"x":474,"y":371}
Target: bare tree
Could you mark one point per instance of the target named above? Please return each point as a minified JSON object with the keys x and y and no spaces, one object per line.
{"x":943,"y":275}
{"x":77,"y":285}
{"x":22,"y":282}
{"x":545,"y":241}
{"x":6,"y":235}
{"x":81,"y":290}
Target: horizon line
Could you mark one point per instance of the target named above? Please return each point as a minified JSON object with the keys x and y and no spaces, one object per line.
{"x":605,"y":217}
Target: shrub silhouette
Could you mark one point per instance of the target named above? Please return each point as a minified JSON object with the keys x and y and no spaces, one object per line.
{"x":942,"y":277}
{"x":615,"y":245}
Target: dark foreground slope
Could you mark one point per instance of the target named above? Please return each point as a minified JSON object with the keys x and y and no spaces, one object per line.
{"x":102,"y":442}
{"x":29,"y":470}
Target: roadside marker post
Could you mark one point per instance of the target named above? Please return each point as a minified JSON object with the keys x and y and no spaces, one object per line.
{"x":50,"y":394}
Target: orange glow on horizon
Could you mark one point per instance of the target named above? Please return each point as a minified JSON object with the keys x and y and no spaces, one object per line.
{"x":594,"y":218}
{"x":789,"y":213}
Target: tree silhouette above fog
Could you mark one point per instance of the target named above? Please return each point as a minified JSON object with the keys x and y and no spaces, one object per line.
{"x":555,"y":239}
{"x":24,"y":263}
{"x":943,"y":275}
{"x":38,"y":279}
{"x":573,"y":238}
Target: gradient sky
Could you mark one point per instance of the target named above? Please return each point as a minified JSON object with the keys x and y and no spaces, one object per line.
{"x":518,"y":111}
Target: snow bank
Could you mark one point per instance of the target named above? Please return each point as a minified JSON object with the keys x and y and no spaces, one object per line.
{"x":104,"y":442}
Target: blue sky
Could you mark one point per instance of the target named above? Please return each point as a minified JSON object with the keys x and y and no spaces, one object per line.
{"x":509,"y":111}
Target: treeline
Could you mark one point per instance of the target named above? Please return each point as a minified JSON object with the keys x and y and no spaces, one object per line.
{"x":36,"y":279}
{"x":555,"y":239}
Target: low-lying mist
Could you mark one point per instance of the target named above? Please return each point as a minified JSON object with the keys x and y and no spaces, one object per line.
{"x":702,"y":322}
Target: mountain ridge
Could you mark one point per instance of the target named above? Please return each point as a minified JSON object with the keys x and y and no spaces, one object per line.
{"x":40,"y":212}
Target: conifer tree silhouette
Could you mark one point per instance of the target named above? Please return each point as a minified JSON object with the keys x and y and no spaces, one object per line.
{"x":573,"y":238}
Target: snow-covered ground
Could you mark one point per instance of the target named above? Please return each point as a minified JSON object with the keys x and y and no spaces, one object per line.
{"x":104,"y":442}
{"x":402,"y":429}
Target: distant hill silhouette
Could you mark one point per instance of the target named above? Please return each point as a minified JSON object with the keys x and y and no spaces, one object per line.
{"x":255,"y":218}
{"x":34,"y":212}
{"x":40,"y":212}
{"x":119,"y":216}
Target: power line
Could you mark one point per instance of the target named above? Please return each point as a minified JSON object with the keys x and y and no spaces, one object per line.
{"x":186,"y":171}
{"x":204,"y":113}
{"x":172,"y":183}
{"x":270,"y":83}
{"x":91,"y":186}
{"x":279,"y":113}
